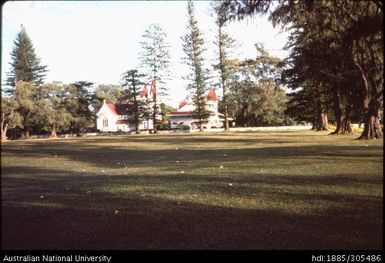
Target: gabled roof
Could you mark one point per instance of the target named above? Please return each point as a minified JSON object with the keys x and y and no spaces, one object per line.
{"x":186,"y":113}
{"x":182,"y":103}
{"x":212,"y":95}
{"x":180,"y":113}
{"x":119,"y":109}
{"x":145,"y":92}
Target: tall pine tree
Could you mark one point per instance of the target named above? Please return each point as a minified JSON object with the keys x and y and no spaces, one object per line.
{"x":225,"y":66}
{"x":155,"y":58}
{"x":139,"y":108}
{"x":25,"y":65}
{"x":193,"y":46}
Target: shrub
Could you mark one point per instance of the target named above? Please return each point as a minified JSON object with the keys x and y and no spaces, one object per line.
{"x":183,"y":127}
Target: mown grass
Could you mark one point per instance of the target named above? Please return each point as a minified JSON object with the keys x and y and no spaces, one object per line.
{"x":256,"y":190}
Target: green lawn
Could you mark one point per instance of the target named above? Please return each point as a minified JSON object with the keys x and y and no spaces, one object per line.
{"x":256,"y":190}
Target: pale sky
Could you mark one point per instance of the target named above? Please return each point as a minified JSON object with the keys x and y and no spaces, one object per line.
{"x":99,"y":40}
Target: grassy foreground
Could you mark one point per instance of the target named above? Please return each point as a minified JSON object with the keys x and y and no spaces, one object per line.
{"x":260,"y":190}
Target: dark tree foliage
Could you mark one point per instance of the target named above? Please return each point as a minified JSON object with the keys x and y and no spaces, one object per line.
{"x":25,"y":65}
{"x":255,"y":94}
{"x":155,"y":58}
{"x":77,"y":102}
{"x":139,"y":109}
{"x":336,"y":53}
{"x":225,"y":66}
{"x":164,"y":110}
{"x":193,"y":46}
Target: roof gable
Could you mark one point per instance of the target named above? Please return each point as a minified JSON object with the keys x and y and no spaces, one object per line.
{"x":119,"y":109}
{"x":145,"y":92}
{"x":212,"y":95}
{"x":182,"y":103}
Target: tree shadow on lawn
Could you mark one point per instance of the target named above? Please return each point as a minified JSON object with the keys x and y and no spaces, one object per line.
{"x":108,"y":157}
{"x":71,"y":211}
{"x":188,"y":139}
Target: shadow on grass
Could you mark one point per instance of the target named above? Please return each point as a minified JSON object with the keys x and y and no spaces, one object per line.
{"x":107,"y":156}
{"x":59,"y":208}
{"x":69,"y":210}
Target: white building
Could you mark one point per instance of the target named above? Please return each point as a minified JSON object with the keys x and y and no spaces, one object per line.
{"x":114,"y":117}
{"x":185,"y":114}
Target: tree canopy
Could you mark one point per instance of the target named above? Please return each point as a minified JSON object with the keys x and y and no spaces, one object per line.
{"x":155,"y":58}
{"x":194,"y":48}
{"x":336,"y":54}
{"x":25,"y":64}
{"x":139,"y":108}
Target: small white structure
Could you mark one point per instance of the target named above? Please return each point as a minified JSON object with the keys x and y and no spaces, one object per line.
{"x":114,"y":117}
{"x":185,"y":114}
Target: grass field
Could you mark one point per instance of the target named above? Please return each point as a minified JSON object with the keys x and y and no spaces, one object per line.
{"x":256,"y":190}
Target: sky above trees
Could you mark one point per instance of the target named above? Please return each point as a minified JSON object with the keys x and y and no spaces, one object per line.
{"x":98,"y":41}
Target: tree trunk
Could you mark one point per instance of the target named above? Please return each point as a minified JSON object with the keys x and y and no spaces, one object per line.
{"x":154,"y":119}
{"x":322,"y":122}
{"x":136,"y":107}
{"x":25,"y":135}
{"x":245,"y":115}
{"x":344,"y":122}
{"x":137,"y":122}
{"x":155,"y":106}
{"x":226,"y":118}
{"x":200,"y":124}
{"x":371,"y":108}
{"x":313,"y":125}
{"x":337,"y":111}
{"x":325,"y":121}
{"x":225,"y":104}
{"x":372,"y":128}
{"x":345,"y":125}
{"x":222,"y":71}
{"x":53,"y":131}
{"x":4,"y":128}
{"x":137,"y":125}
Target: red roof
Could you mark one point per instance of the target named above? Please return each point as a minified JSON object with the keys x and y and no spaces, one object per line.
{"x":112,"y":108}
{"x":145,"y":92}
{"x":212,"y":95}
{"x":180,"y":113}
{"x":182,"y":103}
{"x":119,"y":109}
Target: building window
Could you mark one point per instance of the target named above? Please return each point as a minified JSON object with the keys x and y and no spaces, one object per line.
{"x":145,"y":125}
{"x":105,"y":122}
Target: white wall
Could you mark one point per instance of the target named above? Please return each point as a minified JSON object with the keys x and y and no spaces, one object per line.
{"x":213,"y":121}
{"x":178,"y":119}
{"x":103,"y":113}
